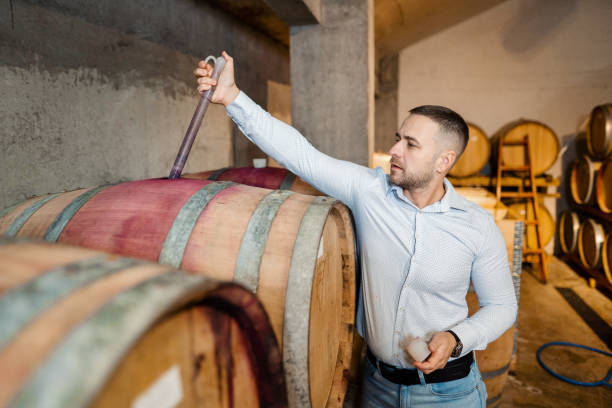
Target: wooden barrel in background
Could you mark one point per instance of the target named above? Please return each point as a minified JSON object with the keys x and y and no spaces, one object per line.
{"x":590,"y":240}
{"x":524,"y":210}
{"x":603,"y":186}
{"x":543,"y":140}
{"x":606,"y":253}
{"x":485,"y":199}
{"x":569,"y":224}
{"x":582,"y":180}
{"x":295,"y":251}
{"x":476,"y":153}
{"x":382,"y":160}
{"x":494,"y":362}
{"x":599,"y":131}
{"x":275,"y":178}
{"x":82,"y":328}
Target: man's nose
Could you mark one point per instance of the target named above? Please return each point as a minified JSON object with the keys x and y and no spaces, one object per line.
{"x":393,"y":151}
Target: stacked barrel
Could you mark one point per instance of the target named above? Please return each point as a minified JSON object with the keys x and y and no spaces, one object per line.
{"x":585,"y":232}
{"x":295,"y":252}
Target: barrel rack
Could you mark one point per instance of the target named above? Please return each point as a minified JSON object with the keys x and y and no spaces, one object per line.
{"x":596,"y":275}
{"x":543,"y":181}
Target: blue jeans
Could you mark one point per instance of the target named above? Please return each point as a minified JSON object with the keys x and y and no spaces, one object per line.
{"x":377,"y":391}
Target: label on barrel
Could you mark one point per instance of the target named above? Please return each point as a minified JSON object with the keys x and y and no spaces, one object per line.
{"x":166,"y":391}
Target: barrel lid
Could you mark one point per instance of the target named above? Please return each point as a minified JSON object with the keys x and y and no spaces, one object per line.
{"x":600,"y":130}
{"x":543,"y":140}
{"x":584,"y":178}
{"x":569,"y":224}
{"x":590,"y":240}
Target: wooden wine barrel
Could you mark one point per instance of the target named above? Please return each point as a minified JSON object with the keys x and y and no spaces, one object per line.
{"x":524,"y":210}
{"x":295,"y":251}
{"x":485,"y":199}
{"x":382,"y":160}
{"x":569,"y":224}
{"x":599,"y":131}
{"x":476,"y":153}
{"x":82,"y":328}
{"x":606,"y":260}
{"x":582,"y":180}
{"x":543,"y":140}
{"x":590,"y":240}
{"x":494,"y":362}
{"x":603,"y":186}
{"x":275,"y":178}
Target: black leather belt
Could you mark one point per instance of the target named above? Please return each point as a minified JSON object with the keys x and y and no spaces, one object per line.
{"x":454,"y":370}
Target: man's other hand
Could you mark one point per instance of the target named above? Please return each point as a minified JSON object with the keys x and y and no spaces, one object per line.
{"x":441,"y":346}
{"x":226,"y":90}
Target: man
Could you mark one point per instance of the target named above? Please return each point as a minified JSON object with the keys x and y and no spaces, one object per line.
{"x":421,"y":244}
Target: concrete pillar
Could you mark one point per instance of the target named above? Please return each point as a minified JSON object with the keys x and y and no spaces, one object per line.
{"x":332,"y":79}
{"x":386,"y":102}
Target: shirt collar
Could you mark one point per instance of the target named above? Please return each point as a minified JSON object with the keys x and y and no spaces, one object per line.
{"x":450,"y":199}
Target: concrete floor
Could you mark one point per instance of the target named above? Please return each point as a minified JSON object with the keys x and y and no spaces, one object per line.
{"x":545,"y":316}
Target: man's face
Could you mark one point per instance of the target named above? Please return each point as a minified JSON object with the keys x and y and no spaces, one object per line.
{"x":413,"y":156}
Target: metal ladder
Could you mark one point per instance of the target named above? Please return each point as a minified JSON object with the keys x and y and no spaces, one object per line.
{"x":531,"y":195}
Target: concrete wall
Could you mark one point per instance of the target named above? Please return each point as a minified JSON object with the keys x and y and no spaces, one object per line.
{"x":385,"y":100}
{"x":95,"y":92}
{"x":548,"y":60}
{"x":332,"y":80}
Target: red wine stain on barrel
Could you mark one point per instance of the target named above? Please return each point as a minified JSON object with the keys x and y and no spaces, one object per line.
{"x":221,"y":325}
{"x":197,"y":365}
{"x":264,"y":355}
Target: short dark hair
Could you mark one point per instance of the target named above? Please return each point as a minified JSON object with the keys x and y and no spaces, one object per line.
{"x":448,"y":120}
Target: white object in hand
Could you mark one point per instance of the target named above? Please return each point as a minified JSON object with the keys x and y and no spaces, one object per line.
{"x":259,"y":163}
{"x":418,"y":349}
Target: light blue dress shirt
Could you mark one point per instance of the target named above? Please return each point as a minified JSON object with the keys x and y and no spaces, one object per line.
{"x":416,"y":263}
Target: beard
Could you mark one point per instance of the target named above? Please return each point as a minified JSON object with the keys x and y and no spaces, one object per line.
{"x":415,"y":180}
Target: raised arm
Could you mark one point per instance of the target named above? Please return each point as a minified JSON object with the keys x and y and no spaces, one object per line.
{"x":337,"y":178}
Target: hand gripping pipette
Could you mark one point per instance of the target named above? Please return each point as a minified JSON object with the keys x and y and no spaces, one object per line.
{"x":196,"y":120}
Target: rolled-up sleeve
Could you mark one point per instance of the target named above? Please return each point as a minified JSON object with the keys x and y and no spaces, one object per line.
{"x":337,"y":178}
{"x":492,"y":281}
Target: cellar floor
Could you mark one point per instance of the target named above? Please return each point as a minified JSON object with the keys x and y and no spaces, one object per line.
{"x":545,"y":316}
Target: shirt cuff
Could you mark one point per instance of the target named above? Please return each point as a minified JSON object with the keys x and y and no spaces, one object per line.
{"x":241,"y":108}
{"x":468,"y":337}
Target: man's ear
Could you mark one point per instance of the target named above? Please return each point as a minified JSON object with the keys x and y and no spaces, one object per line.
{"x":447,"y":159}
